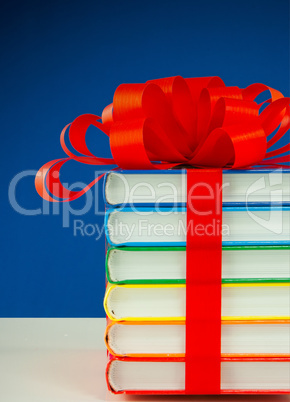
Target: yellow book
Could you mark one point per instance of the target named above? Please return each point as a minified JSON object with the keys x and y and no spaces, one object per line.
{"x":249,"y":301}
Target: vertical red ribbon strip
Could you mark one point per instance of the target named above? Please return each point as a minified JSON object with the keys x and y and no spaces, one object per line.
{"x":203,"y":281}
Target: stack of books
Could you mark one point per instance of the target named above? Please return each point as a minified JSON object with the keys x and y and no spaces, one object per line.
{"x":145,"y":298}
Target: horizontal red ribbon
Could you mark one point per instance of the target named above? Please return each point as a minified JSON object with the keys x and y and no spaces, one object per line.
{"x":203,"y":283}
{"x":174,"y":121}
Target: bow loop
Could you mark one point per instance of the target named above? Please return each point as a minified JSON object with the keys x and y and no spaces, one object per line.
{"x":228,"y":111}
{"x":127,"y":144}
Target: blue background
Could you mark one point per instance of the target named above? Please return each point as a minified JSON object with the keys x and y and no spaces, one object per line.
{"x":65,"y":58}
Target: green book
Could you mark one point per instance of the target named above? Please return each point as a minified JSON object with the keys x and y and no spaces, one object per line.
{"x":167,"y":265}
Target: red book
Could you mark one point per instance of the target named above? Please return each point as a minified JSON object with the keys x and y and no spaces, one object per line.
{"x":167,"y":375}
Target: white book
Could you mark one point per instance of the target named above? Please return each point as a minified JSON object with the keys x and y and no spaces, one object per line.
{"x":169,"y":187}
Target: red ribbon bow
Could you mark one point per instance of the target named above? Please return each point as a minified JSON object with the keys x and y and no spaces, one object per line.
{"x":175,"y":121}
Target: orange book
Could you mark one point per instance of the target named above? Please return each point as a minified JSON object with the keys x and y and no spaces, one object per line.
{"x":263,"y":338}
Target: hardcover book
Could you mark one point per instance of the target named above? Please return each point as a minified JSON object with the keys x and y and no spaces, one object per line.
{"x":157,"y":265}
{"x":169,"y":187}
{"x":263,"y":338}
{"x":168,"y":226}
{"x":168,"y":302}
{"x":167,"y":376}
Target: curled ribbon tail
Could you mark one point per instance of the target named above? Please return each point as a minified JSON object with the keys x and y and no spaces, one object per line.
{"x":47,"y":180}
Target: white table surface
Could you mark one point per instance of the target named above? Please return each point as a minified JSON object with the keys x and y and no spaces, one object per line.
{"x":64,"y":360}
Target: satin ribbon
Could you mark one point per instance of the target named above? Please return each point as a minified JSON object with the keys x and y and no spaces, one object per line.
{"x":203,"y":282}
{"x":174,"y":121}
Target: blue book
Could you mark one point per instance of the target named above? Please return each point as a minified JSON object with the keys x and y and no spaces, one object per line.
{"x":165,"y":226}
{"x":168,"y":187}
